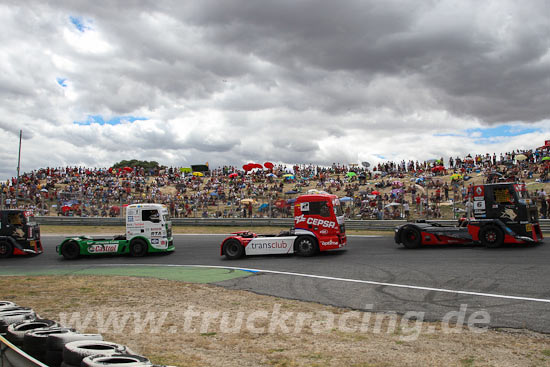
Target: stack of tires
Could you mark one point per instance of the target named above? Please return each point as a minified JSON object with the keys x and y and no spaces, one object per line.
{"x":58,"y":346}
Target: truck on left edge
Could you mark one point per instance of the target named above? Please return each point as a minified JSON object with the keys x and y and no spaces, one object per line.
{"x":19,"y":234}
{"x":148,"y":230}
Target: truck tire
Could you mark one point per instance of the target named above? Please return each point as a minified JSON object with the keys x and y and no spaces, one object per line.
{"x":233,"y":249}
{"x":11,"y":309}
{"x":58,"y":341}
{"x":70,"y":250}
{"x":11,"y":317}
{"x":306,"y":246}
{"x":491,"y":236}
{"x":6,"y":309}
{"x":34,"y":342}
{"x":6,"y":304}
{"x":6,"y":249}
{"x":138,"y":248}
{"x":16,"y":332}
{"x":75,"y":352}
{"x":125,"y":360}
{"x":411,"y":237}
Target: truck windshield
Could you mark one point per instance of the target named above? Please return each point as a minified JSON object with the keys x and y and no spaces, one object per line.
{"x":19,"y":218}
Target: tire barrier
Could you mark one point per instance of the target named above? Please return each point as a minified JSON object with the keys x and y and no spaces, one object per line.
{"x":6,"y":305}
{"x":75,"y":352}
{"x":28,"y":341}
{"x":12,"y":316}
{"x":123,"y":360}
{"x":56,"y":342}
{"x":16,"y":332}
{"x":34,"y":341}
{"x":367,"y":225}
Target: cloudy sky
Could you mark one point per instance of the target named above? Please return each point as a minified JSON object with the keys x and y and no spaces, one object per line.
{"x":235,"y":81}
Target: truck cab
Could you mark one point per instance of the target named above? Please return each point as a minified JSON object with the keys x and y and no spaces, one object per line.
{"x":150,"y":222}
{"x":321,"y":215}
{"x":19,"y":234}
{"x":504,"y":213}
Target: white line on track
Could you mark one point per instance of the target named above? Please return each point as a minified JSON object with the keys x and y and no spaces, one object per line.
{"x":442,"y":290}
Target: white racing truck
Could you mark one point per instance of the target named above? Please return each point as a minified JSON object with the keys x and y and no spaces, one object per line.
{"x":148,"y":230}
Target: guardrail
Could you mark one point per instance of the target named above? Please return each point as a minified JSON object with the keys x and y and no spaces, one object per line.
{"x":11,"y":356}
{"x":380,"y":225}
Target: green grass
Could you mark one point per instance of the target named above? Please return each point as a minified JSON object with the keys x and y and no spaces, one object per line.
{"x":179,"y":273}
{"x":467,"y":362}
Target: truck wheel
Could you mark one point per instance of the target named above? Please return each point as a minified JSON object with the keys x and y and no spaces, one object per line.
{"x":306,"y":246}
{"x":411,"y":237}
{"x":138,"y":248}
{"x":6,"y":249}
{"x":70,"y":250}
{"x":233,"y":249}
{"x":491,"y":236}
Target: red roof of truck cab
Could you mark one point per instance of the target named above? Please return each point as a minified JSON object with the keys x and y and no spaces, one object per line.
{"x":316,"y":197}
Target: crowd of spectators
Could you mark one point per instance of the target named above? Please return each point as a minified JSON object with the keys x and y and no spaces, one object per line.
{"x":388,"y":190}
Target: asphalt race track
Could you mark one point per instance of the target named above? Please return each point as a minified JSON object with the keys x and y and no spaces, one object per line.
{"x":512,"y":283}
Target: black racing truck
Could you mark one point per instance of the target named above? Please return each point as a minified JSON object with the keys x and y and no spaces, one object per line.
{"x":502,"y":213}
{"x":19,"y":234}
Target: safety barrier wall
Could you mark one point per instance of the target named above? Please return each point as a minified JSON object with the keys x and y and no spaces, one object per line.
{"x":11,"y":356}
{"x":374,"y":225}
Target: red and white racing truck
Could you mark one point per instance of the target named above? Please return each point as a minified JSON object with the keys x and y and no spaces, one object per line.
{"x":318,"y":226}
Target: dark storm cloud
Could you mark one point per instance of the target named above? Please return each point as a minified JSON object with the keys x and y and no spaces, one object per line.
{"x":295,"y":81}
{"x":480,"y":59}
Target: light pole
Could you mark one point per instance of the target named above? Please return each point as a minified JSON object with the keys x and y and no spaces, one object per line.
{"x":18,"y":166}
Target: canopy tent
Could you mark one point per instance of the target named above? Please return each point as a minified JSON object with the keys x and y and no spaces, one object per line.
{"x":521,"y":157}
